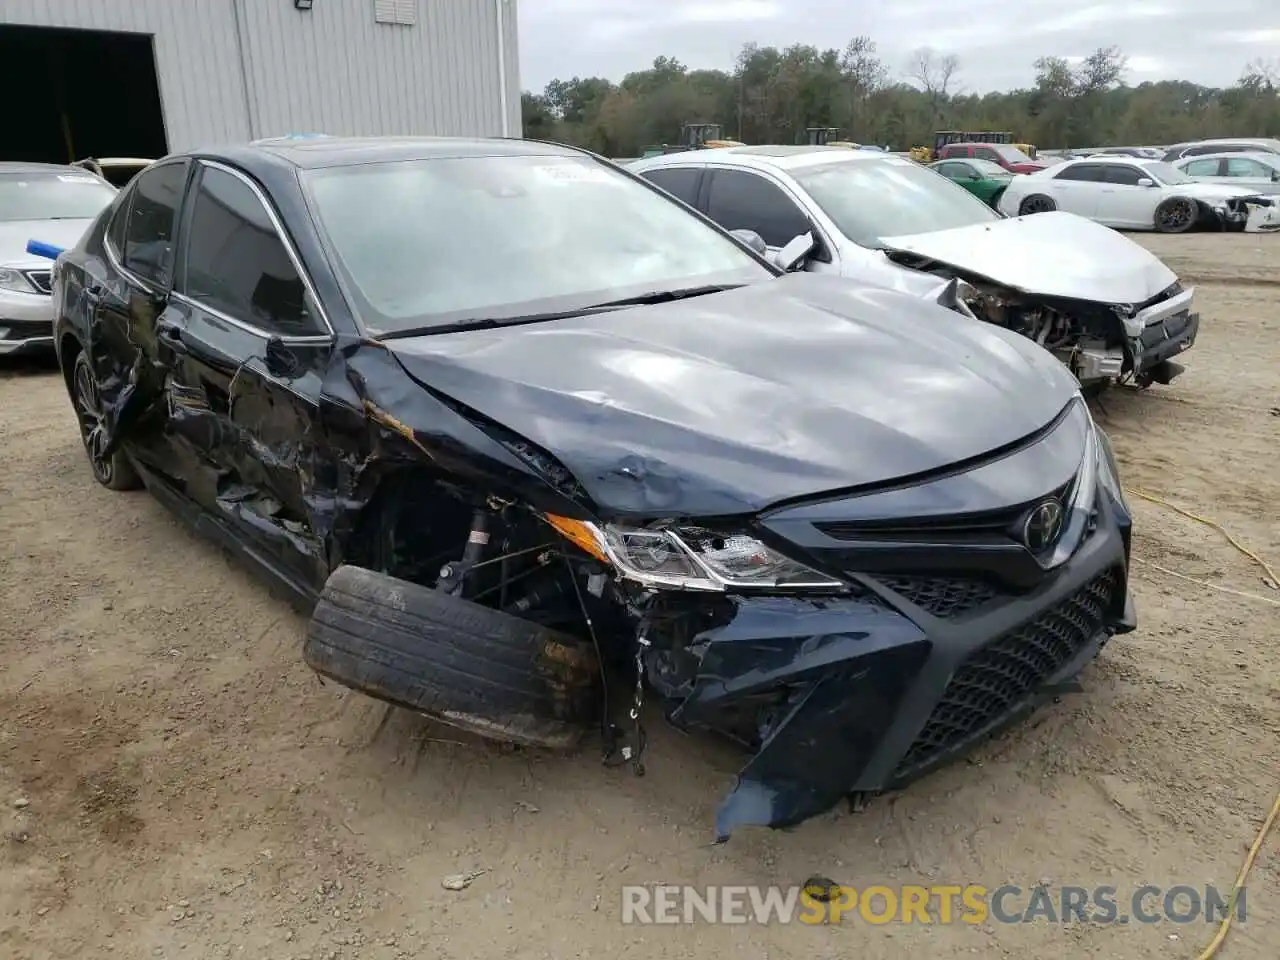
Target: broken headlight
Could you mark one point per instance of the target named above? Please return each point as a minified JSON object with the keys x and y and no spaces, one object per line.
{"x":693,"y":558}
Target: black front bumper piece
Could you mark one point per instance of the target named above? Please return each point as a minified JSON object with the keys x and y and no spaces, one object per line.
{"x":874,"y":690}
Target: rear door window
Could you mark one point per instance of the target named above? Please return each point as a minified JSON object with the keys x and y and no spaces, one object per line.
{"x":149,"y":232}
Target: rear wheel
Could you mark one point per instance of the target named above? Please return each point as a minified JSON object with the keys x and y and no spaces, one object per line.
{"x":113,"y":471}
{"x":464,"y":664}
{"x":1036,"y":203}
{"x":1176,"y":215}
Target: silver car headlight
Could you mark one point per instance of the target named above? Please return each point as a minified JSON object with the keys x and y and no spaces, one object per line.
{"x":692,"y":558}
{"x":1108,"y":469}
{"x":15,"y":281}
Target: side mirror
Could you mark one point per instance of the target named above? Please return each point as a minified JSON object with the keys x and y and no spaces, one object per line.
{"x":1146,"y":182}
{"x":752,"y":240}
{"x":793,"y":254}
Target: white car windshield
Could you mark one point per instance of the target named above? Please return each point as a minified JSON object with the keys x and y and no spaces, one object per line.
{"x":1166,"y":173}
{"x":430,"y":243}
{"x":52,"y":196}
{"x":889,"y":197}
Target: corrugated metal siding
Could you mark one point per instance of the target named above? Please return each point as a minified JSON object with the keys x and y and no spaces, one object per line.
{"x":333,"y":69}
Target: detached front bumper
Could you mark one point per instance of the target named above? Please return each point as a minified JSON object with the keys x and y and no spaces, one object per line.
{"x":1256,"y":214}
{"x":874,"y":691}
{"x":26,"y":323}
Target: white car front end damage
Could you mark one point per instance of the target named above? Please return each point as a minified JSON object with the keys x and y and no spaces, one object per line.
{"x":1105,"y":306}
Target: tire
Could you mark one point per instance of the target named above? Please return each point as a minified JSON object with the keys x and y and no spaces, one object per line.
{"x":114,"y":472}
{"x":1036,"y":203}
{"x":464,"y":664}
{"x":1176,"y":215}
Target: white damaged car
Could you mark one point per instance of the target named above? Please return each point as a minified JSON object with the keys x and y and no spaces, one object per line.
{"x":1136,"y":193}
{"x":1105,"y":306}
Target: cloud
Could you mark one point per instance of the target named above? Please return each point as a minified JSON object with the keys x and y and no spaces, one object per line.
{"x":997,"y":41}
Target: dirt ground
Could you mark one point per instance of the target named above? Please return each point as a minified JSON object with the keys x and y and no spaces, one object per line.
{"x":174,"y":782}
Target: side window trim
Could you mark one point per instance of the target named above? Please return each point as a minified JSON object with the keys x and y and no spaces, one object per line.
{"x":285,"y":240}
{"x":116,"y":257}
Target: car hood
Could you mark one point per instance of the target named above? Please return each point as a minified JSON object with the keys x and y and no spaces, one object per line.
{"x":1054,"y":254}
{"x":728,"y":403}
{"x":14,"y":235}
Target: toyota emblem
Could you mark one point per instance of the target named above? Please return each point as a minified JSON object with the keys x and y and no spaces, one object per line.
{"x":1042,"y":526}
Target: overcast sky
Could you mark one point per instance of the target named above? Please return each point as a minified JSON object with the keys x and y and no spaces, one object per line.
{"x":1207,"y":41}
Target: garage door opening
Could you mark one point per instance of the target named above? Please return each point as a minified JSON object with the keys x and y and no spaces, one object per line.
{"x":73,"y":94}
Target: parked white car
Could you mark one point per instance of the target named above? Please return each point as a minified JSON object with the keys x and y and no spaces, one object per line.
{"x":1137,"y":194}
{"x":1101,"y":303}
{"x":47,"y":202}
{"x":1259,"y":172}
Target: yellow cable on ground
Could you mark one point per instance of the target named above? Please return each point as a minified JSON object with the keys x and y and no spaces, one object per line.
{"x":1220,"y":938}
{"x":1210,"y":523}
{"x":1212,"y":949}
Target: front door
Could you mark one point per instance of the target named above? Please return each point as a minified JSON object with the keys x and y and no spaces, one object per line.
{"x":247,"y":349}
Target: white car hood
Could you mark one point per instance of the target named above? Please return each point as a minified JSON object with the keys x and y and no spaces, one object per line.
{"x":1054,"y":254}
{"x":14,"y":235}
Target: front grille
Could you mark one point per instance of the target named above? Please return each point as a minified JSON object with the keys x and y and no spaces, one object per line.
{"x":999,"y":677}
{"x":942,"y":596}
{"x":42,"y":280}
{"x":965,"y":529}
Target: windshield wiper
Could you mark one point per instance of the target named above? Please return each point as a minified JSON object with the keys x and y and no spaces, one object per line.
{"x":488,"y":323}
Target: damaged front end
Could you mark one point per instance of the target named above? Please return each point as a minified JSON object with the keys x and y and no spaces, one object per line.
{"x":854,"y":643}
{"x":1100,"y":343}
{"x":1251,"y":214}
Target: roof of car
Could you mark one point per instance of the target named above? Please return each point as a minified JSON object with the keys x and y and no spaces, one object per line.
{"x":1263,"y":155}
{"x":21,"y":166}
{"x":777,"y":156}
{"x":322,"y":151}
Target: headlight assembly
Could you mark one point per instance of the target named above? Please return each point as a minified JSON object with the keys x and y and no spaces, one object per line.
{"x":692,"y":558}
{"x":1108,"y":470}
{"x":11,"y":279}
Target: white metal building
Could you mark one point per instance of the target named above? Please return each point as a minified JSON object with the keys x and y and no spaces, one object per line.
{"x":236,"y":70}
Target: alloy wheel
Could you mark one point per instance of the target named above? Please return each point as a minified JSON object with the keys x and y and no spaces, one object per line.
{"x":92,"y":422}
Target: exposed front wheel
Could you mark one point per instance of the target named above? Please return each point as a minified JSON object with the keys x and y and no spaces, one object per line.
{"x":467,"y":665}
{"x":113,"y":471}
{"x":1036,"y":203}
{"x":1176,"y":215}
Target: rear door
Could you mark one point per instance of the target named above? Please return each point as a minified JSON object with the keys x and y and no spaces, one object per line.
{"x":682,"y":183}
{"x":248,"y":347}
{"x":126,"y":298}
{"x":1207,"y":169}
{"x":1078,"y":188}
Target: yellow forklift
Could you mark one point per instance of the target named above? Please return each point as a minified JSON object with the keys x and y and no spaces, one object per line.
{"x":694,"y":136}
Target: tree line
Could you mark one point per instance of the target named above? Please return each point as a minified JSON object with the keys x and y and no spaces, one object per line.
{"x":772,"y":95}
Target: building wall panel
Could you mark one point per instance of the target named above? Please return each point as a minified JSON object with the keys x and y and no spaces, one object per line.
{"x":233,"y":70}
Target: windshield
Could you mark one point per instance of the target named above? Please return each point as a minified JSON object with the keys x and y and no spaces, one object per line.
{"x":52,"y":196}
{"x":989,"y":169}
{"x":1011,"y":154}
{"x":1166,"y":173}
{"x":439,"y":242}
{"x":890,"y":197}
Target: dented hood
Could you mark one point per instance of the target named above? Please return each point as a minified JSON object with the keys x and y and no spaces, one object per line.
{"x":1047,"y":254}
{"x":729,"y":402}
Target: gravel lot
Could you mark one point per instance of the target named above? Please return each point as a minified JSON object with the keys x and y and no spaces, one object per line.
{"x":174,"y":782}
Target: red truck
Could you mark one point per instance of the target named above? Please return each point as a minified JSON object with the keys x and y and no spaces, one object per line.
{"x":1005,"y":154}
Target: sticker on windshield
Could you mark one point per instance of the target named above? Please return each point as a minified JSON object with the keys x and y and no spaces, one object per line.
{"x":572,"y":173}
{"x":76,"y":178}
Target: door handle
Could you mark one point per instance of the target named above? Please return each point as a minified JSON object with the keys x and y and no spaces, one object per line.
{"x":171,"y":336}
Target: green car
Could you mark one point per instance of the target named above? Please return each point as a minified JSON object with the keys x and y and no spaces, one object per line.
{"x":984,"y":179}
